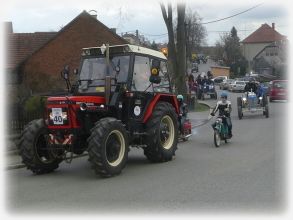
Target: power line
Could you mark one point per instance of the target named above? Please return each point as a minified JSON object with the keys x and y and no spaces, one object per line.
{"x":221,"y":19}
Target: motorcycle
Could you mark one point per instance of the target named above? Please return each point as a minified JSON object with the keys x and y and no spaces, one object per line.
{"x":221,"y":131}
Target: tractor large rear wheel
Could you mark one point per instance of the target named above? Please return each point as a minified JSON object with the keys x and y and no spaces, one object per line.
{"x":108,"y":147}
{"x":35,"y":151}
{"x":162,"y":133}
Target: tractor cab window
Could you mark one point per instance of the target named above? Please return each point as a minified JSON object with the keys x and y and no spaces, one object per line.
{"x":141,"y":74}
{"x":94,"y":70}
{"x":164,"y":85}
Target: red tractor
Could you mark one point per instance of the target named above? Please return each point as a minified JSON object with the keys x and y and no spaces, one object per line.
{"x":122,"y":99}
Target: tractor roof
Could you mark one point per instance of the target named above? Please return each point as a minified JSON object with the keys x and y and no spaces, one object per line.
{"x":124,"y":49}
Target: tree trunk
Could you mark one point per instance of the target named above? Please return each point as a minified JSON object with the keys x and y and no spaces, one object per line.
{"x":181,"y":50}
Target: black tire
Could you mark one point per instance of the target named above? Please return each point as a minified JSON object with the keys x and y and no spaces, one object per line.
{"x":33,"y":149}
{"x":267,"y":111}
{"x":216,"y":96}
{"x":217,"y":139}
{"x":239,"y":108}
{"x":108,"y":147}
{"x":157,"y":150}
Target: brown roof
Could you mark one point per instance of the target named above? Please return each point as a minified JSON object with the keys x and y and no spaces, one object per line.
{"x":264,"y":34}
{"x":22,"y":45}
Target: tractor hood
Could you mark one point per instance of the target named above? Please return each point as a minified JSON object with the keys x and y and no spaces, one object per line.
{"x":76,"y":100}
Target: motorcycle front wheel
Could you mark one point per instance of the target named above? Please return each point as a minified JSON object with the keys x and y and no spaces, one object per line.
{"x":217,"y":138}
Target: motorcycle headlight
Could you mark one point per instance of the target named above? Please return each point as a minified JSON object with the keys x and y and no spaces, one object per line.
{"x":244,"y":99}
{"x":260,"y":98}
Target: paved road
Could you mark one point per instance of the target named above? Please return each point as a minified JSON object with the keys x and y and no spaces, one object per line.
{"x":245,"y":175}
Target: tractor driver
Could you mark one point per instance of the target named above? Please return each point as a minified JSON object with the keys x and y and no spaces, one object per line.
{"x":224,"y":107}
{"x":250,"y":86}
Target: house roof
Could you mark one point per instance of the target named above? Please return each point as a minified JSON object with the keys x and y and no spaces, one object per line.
{"x":264,"y":34}
{"x":21,"y":45}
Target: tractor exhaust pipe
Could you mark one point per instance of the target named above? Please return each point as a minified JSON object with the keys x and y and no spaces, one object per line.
{"x":108,"y":77}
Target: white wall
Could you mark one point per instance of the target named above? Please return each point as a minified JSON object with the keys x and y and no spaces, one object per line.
{"x":250,"y":50}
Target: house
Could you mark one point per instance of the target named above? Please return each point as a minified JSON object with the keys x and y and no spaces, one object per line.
{"x":136,"y":39}
{"x":131,"y":38}
{"x":272,"y":59}
{"x":38,"y":58}
{"x":258,"y":40}
{"x":19,"y":47}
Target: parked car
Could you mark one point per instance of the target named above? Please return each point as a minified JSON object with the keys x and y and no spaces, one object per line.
{"x":278,"y":90}
{"x":237,"y":86}
{"x":219,"y":79}
{"x":226,"y":83}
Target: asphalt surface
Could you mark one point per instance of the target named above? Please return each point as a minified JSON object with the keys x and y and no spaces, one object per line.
{"x":246,"y":175}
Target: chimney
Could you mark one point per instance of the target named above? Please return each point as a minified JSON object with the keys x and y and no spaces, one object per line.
{"x":8,"y":27}
{"x":273,"y":26}
{"x":136,"y":33}
{"x":93,"y":13}
{"x":113,"y":30}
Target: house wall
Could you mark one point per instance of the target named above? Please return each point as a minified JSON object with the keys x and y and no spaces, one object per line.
{"x":220,"y":71}
{"x":251,"y":50}
{"x":41,"y":71}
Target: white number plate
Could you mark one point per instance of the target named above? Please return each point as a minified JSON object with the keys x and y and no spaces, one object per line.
{"x":57,"y":116}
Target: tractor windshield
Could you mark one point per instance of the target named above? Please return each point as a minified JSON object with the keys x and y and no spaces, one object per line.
{"x":94,"y":70}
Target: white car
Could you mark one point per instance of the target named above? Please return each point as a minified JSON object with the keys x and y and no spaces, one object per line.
{"x":219,"y":79}
{"x":237,"y":86}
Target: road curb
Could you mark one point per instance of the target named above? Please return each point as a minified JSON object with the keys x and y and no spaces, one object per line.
{"x":203,"y":103}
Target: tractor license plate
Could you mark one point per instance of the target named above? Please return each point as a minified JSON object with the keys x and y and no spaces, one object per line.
{"x":57,"y":116}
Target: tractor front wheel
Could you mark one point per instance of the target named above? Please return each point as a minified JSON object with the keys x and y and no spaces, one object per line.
{"x":162,"y":133}
{"x":35,"y":151}
{"x":108,"y":147}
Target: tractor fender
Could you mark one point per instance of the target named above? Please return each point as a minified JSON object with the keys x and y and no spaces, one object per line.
{"x":170,"y":98}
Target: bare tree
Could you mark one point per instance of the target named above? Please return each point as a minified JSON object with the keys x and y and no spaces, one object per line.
{"x":176,"y":55}
{"x":181,"y":49}
{"x":195,"y":33}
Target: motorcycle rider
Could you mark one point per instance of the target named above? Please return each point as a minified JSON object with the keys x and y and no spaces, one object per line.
{"x":224,"y":107}
{"x":183,"y":110}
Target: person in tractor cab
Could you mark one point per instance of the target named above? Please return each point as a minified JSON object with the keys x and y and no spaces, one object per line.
{"x":224,"y":107}
{"x":182,"y":112}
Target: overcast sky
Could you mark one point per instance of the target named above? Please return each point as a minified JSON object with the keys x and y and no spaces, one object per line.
{"x":129,"y":15}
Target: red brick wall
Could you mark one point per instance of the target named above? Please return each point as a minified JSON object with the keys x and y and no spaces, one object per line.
{"x":42,"y":70}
